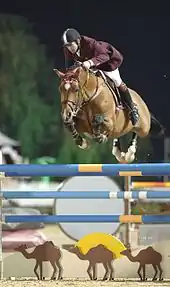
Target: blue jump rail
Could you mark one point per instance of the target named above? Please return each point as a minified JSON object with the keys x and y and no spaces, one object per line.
{"x":87,"y":194}
{"x":141,"y":219}
{"x":149,"y":169}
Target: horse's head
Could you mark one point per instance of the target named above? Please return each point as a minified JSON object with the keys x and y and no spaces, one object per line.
{"x":74,"y":90}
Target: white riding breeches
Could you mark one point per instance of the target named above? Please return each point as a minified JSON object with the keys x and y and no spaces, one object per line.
{"x":114,"y":76}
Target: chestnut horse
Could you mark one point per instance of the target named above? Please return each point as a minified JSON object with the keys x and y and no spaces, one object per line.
{"x":88,"y":107}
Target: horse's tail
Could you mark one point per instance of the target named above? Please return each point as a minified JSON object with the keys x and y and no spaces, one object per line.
{"x":161,"y":129}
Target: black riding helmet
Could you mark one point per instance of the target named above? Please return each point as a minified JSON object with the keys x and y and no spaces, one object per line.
{"x":70,"y":35}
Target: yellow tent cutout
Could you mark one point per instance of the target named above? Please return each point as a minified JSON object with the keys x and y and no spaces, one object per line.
{"x":109,"y":241}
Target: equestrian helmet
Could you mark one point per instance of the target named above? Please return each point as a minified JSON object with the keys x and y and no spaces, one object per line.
{"x":70,"y":35}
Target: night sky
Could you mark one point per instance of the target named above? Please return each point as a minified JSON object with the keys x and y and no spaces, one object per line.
{"x":139,"y":29}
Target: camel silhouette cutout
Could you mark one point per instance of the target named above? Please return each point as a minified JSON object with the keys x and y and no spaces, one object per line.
{"x":98,"y":254}
{"x":45,"y":252}
{"x":145,"y":257}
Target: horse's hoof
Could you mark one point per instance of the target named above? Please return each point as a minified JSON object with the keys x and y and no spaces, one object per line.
{"x":101,"y":139}
{"x":111,"y":279}
{"x":85,"y":145}
{"x":122,"y":155}
{"x":129,"y":157}
{"x":105,"y":139}
{"x":95,"y":279}
{"x":118,"y":154}
{"x":161,"y":279}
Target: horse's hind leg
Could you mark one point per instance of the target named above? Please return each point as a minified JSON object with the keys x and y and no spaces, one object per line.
{"x":116,"y":151}
{"x":130,"y":155}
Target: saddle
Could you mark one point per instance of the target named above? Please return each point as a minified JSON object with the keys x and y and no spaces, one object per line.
{"x":112,"y":87}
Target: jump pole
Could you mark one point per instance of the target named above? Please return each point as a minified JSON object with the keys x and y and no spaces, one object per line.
{"x":2,"y":176}
{"x":127,"y":204}
{"x":127,"y":207}
{"x":70,"y":170}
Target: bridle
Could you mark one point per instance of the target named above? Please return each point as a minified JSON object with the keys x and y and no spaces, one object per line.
{"x":81,"y":90}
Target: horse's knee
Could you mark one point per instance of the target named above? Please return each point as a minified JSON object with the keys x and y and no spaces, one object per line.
{"x":97,"y":121}
{"x":108,"y":124}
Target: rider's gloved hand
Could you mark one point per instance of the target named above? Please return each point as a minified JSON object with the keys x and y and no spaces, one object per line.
{"x":87,"y":64}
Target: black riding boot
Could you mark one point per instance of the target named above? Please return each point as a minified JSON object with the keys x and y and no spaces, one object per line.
{"x":127,"y":100}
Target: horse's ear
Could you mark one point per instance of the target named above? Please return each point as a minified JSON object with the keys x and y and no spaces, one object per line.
{"x":77,"y":72}
{"x":58,"y":73}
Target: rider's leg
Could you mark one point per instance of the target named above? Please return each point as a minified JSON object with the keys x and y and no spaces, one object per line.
{"x":125,"y":95}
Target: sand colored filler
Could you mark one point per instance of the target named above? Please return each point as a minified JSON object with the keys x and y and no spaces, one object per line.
{"x":80,"y":283}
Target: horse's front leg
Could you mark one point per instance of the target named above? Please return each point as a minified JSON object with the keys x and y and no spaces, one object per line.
{"x":79,"y":140}
{"x":102,"y":126}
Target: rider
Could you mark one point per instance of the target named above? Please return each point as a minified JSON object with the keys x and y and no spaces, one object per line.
{"x":103,"y":56}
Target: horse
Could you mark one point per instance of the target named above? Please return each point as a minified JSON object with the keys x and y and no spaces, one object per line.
{"x":89,"y":107}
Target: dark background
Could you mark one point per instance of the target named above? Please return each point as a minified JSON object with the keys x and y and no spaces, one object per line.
{"x":139,"y":29}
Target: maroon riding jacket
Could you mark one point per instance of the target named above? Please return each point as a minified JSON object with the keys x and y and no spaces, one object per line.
{"x":104,"y":55}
